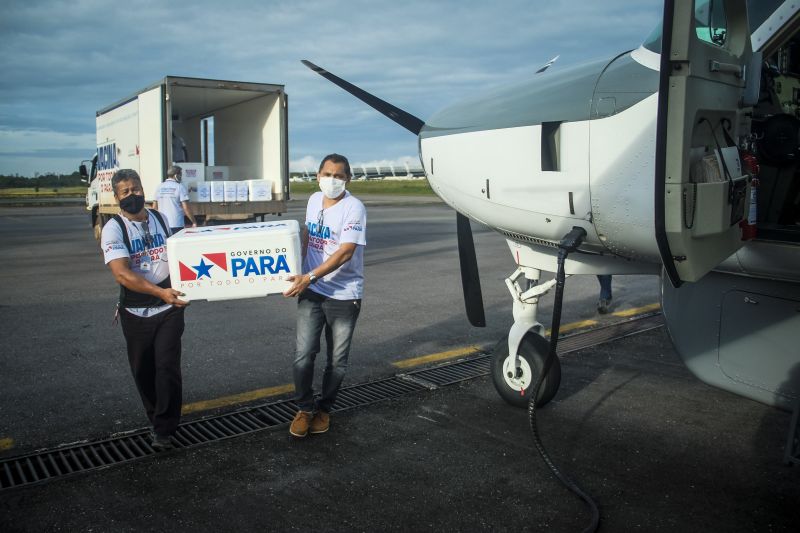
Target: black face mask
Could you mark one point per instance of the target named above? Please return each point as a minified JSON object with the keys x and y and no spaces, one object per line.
{"x":133,"y":203}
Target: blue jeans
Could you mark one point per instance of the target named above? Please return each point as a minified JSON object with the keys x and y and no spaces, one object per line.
{"x":338,"y":318}
{"x":605,"y":286}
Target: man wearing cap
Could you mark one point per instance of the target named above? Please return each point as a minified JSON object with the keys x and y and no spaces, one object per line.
{"x":172,"y":199}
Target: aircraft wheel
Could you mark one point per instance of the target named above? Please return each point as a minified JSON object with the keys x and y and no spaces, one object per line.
{"x":516,"y":390}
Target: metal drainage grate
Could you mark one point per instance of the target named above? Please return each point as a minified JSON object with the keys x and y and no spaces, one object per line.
{"x":46,"y":465}
{"x":451,"y":373}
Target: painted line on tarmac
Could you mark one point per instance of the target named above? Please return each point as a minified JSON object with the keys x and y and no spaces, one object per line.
{"x":6,"y":443}
{"x":234,"y":399}
{"x":441,"y":356}
{"x":637,"y":310}
{"x":260,"y":394}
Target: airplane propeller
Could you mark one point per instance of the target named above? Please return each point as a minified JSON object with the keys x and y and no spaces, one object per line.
{"x":470,"y":280}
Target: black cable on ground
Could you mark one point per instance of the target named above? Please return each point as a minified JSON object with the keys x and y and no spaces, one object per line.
{"x":568,"y":244}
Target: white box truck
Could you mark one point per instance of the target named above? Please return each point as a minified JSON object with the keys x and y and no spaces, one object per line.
{"x":238,"y":127}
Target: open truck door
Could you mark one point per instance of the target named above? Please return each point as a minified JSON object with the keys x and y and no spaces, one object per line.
{"x":701,"y":189}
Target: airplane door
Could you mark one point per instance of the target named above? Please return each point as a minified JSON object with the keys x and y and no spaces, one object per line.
{"x":701,"y":191}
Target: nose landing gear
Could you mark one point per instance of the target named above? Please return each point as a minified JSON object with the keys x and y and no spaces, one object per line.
{"x":517,"y":363}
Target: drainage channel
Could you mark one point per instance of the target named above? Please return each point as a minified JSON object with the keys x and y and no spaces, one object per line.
{"x":49,"y":464}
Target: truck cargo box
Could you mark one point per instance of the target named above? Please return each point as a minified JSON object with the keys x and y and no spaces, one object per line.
{"x":225,"y":130}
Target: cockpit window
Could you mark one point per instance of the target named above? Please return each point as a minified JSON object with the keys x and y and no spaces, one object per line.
{"x":653,"y":41}
{"x":758,"y":11}
{"x":710,"y":21}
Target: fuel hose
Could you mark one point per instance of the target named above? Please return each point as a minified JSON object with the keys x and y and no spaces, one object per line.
{"x":568,"y":244}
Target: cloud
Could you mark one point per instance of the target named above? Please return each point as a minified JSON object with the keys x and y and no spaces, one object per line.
{"x":62,"y":61}
{"x":304,"y":164}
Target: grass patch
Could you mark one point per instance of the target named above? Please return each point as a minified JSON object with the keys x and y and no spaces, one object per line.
{"x":44,"y":192}
{"x":406,"y":187}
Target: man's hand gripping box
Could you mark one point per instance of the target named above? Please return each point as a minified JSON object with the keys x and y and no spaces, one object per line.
{"x":234,"y":261}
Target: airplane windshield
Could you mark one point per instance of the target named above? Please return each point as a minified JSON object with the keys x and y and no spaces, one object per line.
{"x":712,"y":31}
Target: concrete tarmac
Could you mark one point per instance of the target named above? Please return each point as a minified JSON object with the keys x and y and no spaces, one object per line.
{"x":658,"y":450}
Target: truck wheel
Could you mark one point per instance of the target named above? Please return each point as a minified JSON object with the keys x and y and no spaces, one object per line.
{"x":99,"y":222}
{"x":516,"y":390}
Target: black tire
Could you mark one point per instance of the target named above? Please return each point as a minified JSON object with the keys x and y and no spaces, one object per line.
{"x":533,"y":353}
{"x":97,"y":228}
{"x":100,"y":221}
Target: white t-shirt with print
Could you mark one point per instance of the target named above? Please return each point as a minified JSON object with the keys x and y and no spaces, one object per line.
{"x":113,"y":246}
{"x":345,"y":221}
{"x":169,"y":196}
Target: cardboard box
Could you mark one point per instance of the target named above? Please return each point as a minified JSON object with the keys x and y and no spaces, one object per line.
{"x":241,"y":191}
{"x":217,"y":191}
{"x":234,"y":261}
{"x":230,"y":189}
{"x":217,"y":173}
{"x":260,"y":190}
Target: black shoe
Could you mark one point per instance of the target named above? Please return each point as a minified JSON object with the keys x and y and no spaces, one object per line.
{"x":603,"y":305}
{"x":162,"y":443}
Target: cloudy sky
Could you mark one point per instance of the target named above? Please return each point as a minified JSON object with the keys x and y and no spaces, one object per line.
{"x":63,"y":60}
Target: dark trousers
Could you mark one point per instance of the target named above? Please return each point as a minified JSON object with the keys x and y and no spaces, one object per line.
{"x":605,"y":286}
{"x":154,"y":353}
{"x":337,"y":318}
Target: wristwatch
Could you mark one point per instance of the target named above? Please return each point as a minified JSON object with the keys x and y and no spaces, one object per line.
{"x":312,"y":279}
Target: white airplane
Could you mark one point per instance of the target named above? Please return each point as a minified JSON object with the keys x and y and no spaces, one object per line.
{"x":646,"y":162}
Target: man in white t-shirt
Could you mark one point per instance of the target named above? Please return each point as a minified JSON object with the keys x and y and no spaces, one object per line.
{"x":172,"y":199}
{"x":151,"y":312}
{"x":329,"y":293}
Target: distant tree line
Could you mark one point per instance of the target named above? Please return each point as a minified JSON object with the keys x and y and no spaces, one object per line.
{"x":49,"y":181}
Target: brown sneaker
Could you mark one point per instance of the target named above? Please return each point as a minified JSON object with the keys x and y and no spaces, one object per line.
{"x":320,"y":423}
{"x":299,"y":427}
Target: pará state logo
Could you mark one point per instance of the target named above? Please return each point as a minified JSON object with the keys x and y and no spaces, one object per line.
{"x":204,"y":267}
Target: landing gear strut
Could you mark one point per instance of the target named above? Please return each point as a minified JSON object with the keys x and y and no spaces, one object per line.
{"x":517,"y":363}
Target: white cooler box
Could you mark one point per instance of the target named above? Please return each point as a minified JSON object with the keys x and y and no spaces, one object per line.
{"x":217,"y":191}
{"x":193,"y":171}
{"x":203,"y":192}
{"x":259,"y":190}
{"x":229,"y":188}
{"x":234,"y":261}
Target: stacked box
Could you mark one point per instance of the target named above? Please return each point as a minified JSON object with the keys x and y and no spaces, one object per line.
{"x":203,"y":192}
{"x":260,"y":190}
{"x":230,"y":188}
{"x":217,"y":191}
{"x":217,"y":173}
{"x":234,"y":261}
{"x":191,"y":188}
{"x":241,"y":191}
{"x":192,"y":171}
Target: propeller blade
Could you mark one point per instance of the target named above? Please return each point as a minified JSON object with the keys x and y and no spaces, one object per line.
{"x":407,"y":120}
{"x":470,"y":281}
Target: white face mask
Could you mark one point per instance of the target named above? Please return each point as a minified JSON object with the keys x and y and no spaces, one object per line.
{"x":331,"y":187}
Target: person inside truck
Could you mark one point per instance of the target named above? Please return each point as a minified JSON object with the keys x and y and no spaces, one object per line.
{"x":329,"y":293}
{"x":179,"y":153}
{"x":172,"y":199}
{"x":151,"y":312}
